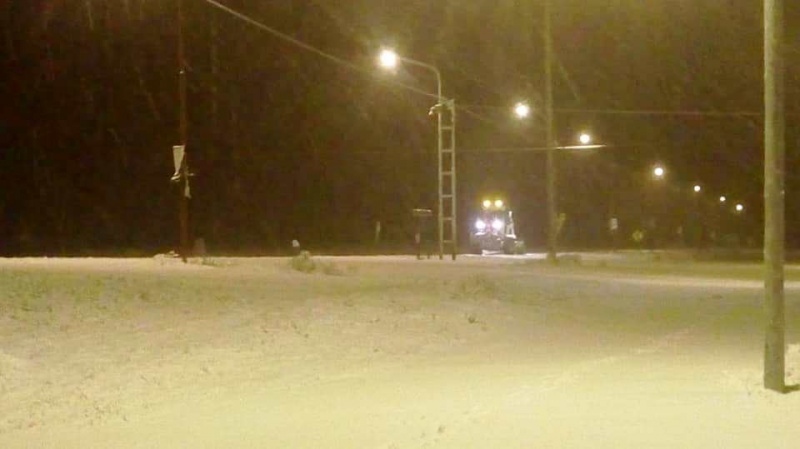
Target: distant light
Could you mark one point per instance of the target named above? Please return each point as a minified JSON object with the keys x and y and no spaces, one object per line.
{"x":522,"y":110}
{"x":585,"y":139}
{"x":497,"y":224}
{"x":697,"y":188}
{"x":739,"y":207}
{"x":480,"y":225}
{"x":487,"y":204}
{"x":658,"y":172}
{"x":498,"y":204}
{"x":388,"y":59}
{"x":722,"y":199}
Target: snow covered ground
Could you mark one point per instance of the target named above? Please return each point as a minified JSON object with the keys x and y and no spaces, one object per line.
{"x":388,"y":352}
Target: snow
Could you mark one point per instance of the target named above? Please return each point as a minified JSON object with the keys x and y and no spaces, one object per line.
{"x":383,"y":352}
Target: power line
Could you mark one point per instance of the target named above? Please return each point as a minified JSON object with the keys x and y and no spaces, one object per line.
{"x":337,"y":60}
{"x":333,"y":58}
{"x":342,"y":62}
{"x":330,"y":57}
{"x":470,"y":109}
{"x":686,"y":112}
{"x":654,"y":112}
{"x":284,"y":36}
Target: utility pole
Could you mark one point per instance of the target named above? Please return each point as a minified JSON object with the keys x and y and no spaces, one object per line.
{"x":183,"y":130}
{"x":552,"y":221}
{"x":774,"y":230}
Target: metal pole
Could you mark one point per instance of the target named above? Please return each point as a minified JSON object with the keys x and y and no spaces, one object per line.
{"x":183,"y":125}
{"x":454,"y":198}
{"x":439,"y":156}
{"x":774,"y":234}
{"x":552,"y":222}
{"x":440,"y":108}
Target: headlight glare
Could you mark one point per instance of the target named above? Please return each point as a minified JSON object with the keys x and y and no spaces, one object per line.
{"x":497,"y":224}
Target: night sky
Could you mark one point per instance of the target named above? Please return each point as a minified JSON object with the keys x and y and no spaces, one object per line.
{"x":287,"y":144}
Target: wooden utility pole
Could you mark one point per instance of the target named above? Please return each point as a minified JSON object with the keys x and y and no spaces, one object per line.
{"x":552,"y":220}
{"x":214,"y":56}
{"x":774,"y":234}
{"x":183,"y":130}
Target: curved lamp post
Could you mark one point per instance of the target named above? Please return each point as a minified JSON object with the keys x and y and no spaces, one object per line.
{"x":446,"y":154}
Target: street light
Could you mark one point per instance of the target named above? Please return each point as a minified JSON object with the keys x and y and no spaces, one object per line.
{"x":389,"y":59}
{"x":697,"y":219}
{"x":722,"y":199}
{"x":660,"y":200}
{"x":522,"y":110}
{"x":549,"y":119}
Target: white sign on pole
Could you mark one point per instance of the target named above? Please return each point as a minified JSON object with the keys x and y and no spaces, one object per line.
{"x":178,"y":153}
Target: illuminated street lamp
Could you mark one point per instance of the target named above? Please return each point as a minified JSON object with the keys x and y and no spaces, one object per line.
{"x":522,"y":110}
{"x":696,"y":223}
{"x":585,"y":139}
{"x":389,"y":59}
{"x":659,"y":201}
{"x":722,"y":199}
{"x":739,"y":207}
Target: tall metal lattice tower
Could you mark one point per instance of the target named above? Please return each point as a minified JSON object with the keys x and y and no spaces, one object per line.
{"x":448,"y":232}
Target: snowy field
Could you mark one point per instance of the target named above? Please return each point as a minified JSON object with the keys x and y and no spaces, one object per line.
{"x":389,"y":353}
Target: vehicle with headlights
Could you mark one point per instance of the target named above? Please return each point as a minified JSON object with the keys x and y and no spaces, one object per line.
{"x":493,"y":230}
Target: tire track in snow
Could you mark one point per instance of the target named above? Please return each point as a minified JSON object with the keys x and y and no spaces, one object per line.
{"x":528,"y":394}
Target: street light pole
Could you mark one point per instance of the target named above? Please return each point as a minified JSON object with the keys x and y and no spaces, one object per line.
{"x":439,"y":157}
{"x":552,"y":221}
{"x":446,"y":154}
{"x":774,"y":230}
